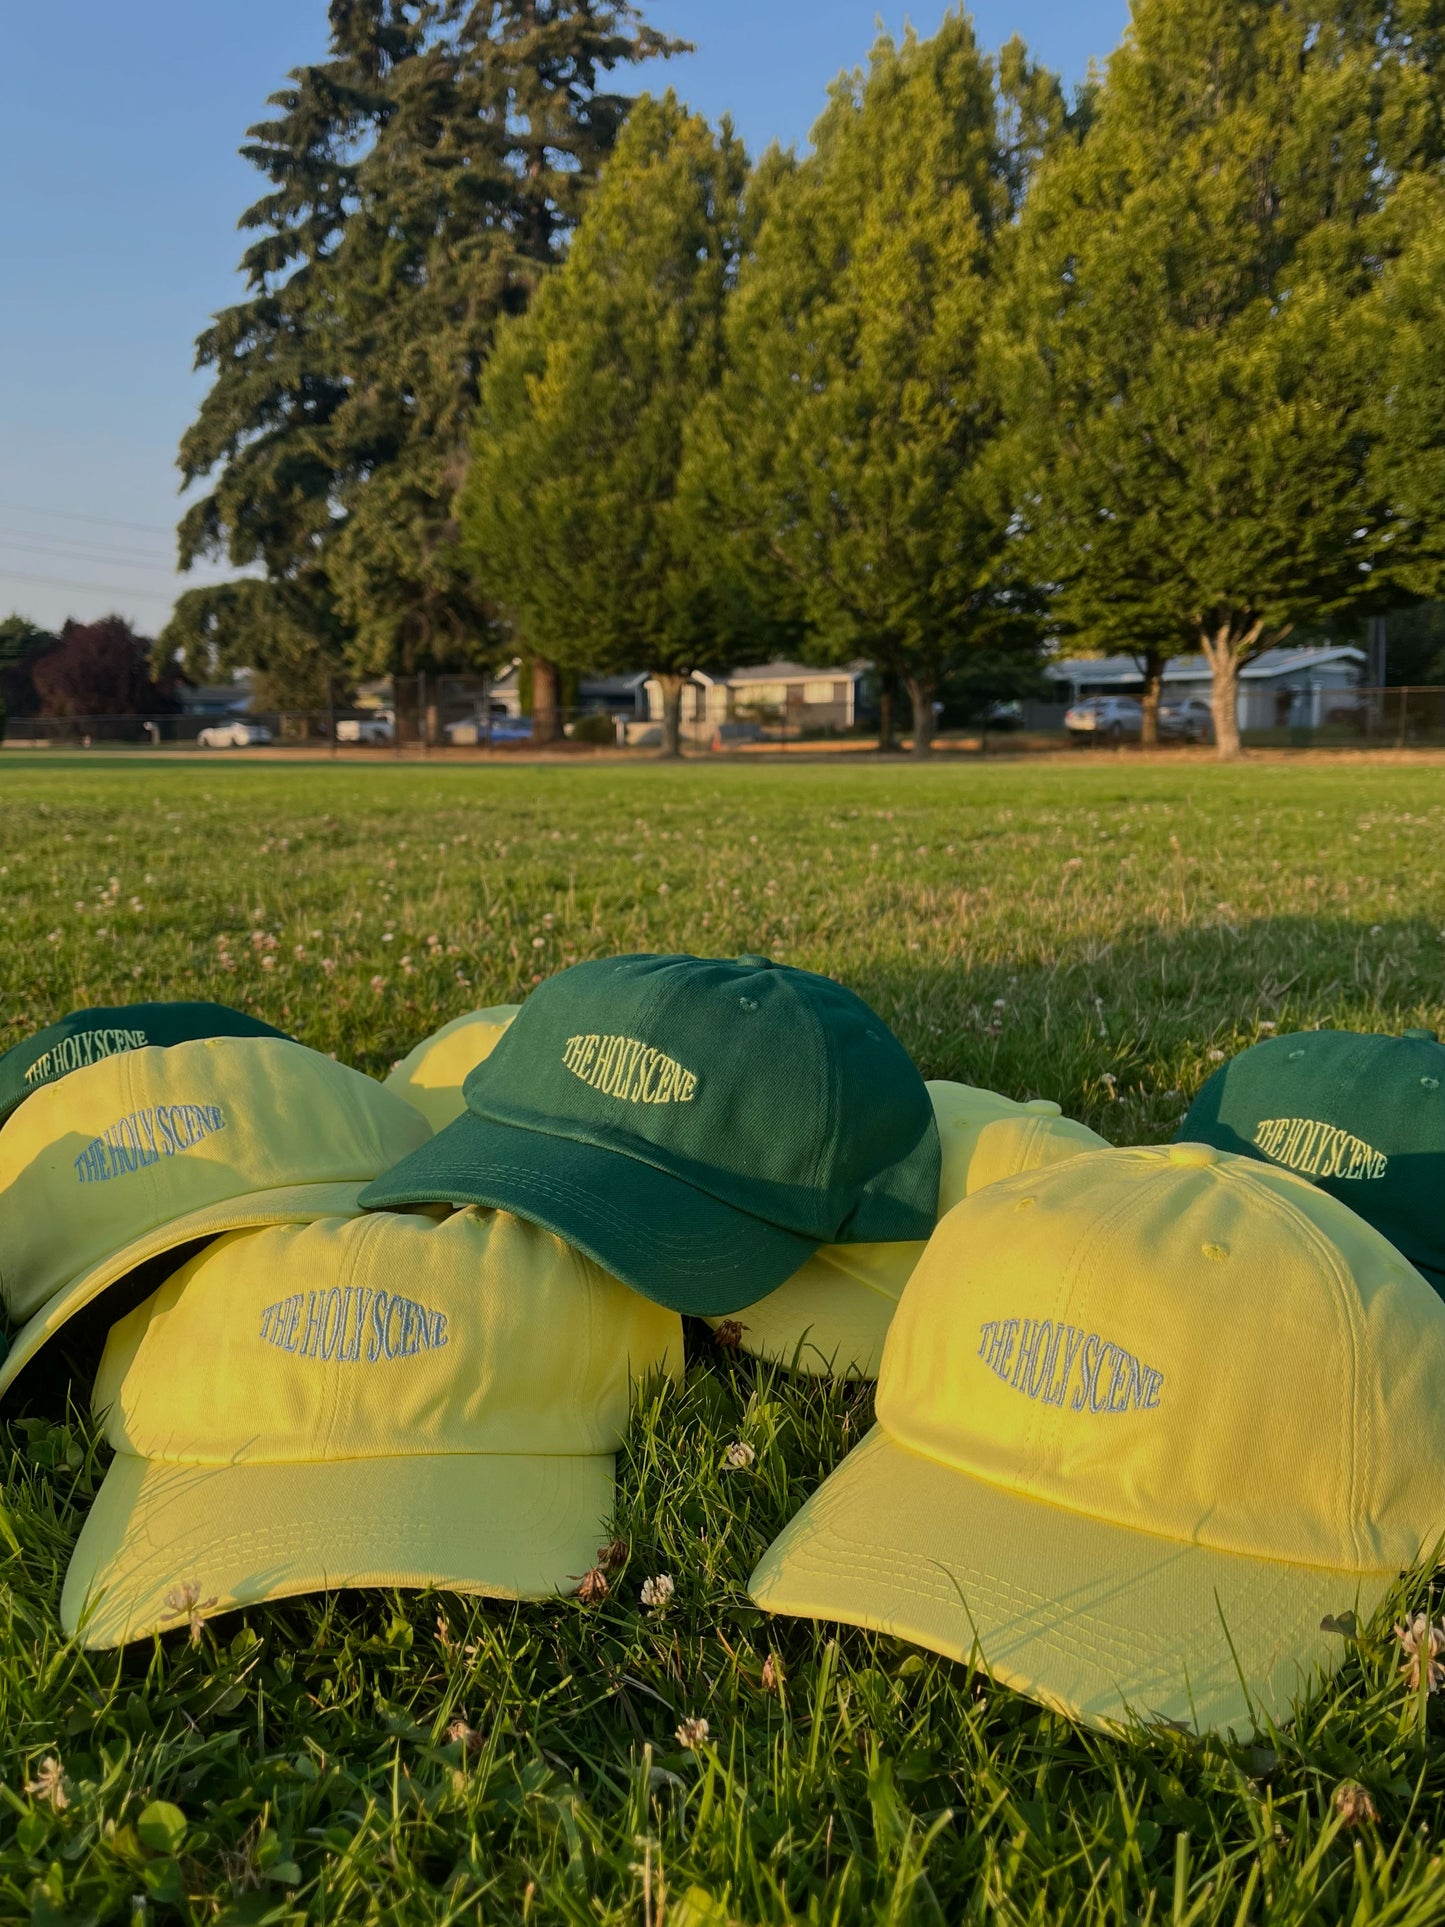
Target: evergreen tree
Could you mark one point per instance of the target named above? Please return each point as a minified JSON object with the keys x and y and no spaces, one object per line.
{"x":855,"y":438}
{"x":266,"y":428}
{"x":1199,"y":299}
{"x":425,"y":175}
{"x":571,"y":509}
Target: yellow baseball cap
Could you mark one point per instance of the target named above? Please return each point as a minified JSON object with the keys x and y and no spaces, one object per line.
{"x":1146,"y":1422}
{"x":135,"y":1156}
{"x":832,"y":1316}
{"x":432,"y":1075}
{"x":382,"y":1401}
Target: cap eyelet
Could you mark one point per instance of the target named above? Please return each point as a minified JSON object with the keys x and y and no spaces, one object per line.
{"x":1217,"y":1252}
{"x":747,"y":1003}
{"x":1430,"y":1083}
{"x":1024,"y":1204}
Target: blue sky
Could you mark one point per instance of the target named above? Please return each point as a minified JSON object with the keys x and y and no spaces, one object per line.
{"x":122,"y":185}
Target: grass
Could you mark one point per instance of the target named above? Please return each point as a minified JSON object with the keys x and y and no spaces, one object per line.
{"x":1096,"y":935}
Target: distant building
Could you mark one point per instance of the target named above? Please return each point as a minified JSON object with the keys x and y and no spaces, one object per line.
{"x":214,"y":701}
{"x":1298,"y":688}
{"x":790,"y":696}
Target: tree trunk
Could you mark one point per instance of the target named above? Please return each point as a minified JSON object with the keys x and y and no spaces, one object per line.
{"x":1152,"y":664}
{"x":546,"y":717}
{"x":921,"y":690}
{"x":886,"y":741}
{"x":1224,"y":650}
{"x":672,"y":688}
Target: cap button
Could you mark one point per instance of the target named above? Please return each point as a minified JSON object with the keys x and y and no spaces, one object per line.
{"x":1194,"y":1154}
{"x":1422,"y":1036}
{"x":1042,"y":1107}
{"x":757,"y":963}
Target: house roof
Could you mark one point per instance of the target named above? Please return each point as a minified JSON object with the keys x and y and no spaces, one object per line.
{"x":789,"y":672}
{"x":1122,"y":670}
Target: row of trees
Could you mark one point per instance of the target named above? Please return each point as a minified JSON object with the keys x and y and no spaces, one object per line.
{"x":1154,"y":368}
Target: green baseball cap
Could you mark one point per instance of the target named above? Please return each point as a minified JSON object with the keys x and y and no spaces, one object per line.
{"x":86,"y":1036}
{"x":697,"y":1126}
{"x":1362,"y":1116}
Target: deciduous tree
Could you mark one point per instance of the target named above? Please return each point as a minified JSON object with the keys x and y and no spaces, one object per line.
{"x":855,"y":438}
{"x":99,"y":669}
{"x":571,"y":509}
{"x":1198,"y":302}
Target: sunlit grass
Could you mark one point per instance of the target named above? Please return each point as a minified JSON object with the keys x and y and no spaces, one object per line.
{"x":1095,"y":935}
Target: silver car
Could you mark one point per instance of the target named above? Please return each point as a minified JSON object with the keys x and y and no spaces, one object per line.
{"x":1186,"y":719}
{"x":1114,"y":719}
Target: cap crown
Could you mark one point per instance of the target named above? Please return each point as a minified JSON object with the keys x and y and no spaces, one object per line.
{"x":139,"y":1140}
{"x":1185,"y":1343}
{"x":774,"y":1090}
{"x":431,"y":1076}
{"x":1362,"y":1116}
{"x":986,"y":1136}
{"x":87,"y":1036}
{"x":385,"y":1336}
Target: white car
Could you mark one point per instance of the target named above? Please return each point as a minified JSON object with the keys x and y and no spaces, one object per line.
{"x":234,"y":736}
{"x":377,"y":729}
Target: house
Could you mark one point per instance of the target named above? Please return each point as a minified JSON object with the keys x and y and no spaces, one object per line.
{"x":622,"y":695}
{"x":789,"y":697}
{"x":215,"y":702}
{"x":1296,"y":688}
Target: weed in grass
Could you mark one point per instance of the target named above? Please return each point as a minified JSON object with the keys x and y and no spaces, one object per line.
{"x":1099,"y":936}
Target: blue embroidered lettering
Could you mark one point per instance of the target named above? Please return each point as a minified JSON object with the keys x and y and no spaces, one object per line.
{"x":1041,"y":1366}
{"x":1055,"y":1395}
{"x":1051,"y":1359}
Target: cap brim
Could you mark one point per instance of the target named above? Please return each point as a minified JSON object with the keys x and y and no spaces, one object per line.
{"x":226,"y":1536}
{"x":673,"y":1243}
{"x":1103,"y":1624}
{"x":286,"y":1204}
{"x":826,"y":1321}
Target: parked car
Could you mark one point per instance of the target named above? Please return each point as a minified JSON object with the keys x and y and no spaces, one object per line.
{"x":1117,"y":719}
{"x":1004,"y":715}
{"x":376,"y":729}
{"x":729,"y":735}
{"x":237,"y":735}
{"x":1186,"y":719}
{"x":471,"y":731}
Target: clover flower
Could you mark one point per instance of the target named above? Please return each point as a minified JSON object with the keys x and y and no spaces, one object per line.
{"x":1423,"y":1646}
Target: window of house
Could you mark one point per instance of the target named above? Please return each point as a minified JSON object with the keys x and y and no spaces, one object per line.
{"x":822,"y":692}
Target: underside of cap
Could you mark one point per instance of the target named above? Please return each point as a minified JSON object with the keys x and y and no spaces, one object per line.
{"x":165,"y":1541}
{"x":1109,"y":1626}
{"x":288,"y":1204}
{"x":666,"y":1239}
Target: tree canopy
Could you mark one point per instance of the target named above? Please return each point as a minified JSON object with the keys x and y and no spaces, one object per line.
{"x":855,"y":437}
{"x":1196,"y":334}
{"x":571,"y":510}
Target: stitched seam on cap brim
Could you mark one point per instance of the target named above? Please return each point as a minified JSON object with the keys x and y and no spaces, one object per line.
{"x":1111,"y":1521}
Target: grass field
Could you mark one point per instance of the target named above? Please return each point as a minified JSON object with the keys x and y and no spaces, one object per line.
{"x":1095,"y":935}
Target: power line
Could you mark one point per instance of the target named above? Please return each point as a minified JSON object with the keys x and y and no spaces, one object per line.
{"x":86,"y":588}
{"x":97,"y":521}
{"x":83,"y":555}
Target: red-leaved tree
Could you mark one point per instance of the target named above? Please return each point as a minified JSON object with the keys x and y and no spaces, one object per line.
{"x":99,"y":669}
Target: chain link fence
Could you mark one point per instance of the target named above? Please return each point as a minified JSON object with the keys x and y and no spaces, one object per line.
{"x":446,"y":715}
